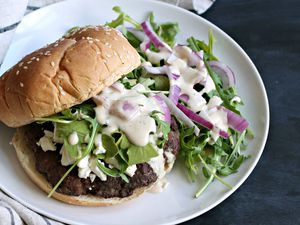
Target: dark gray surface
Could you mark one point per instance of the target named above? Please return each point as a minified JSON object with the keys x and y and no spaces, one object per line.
{"x":269,"y":32}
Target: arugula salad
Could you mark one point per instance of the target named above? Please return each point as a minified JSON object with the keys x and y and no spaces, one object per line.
{"x":189,"y":83}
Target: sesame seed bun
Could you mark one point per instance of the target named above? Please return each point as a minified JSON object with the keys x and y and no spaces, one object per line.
{"x":64,"y":73}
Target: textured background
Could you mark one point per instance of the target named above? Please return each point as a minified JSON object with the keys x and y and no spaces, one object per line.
{"x":269,"y":32}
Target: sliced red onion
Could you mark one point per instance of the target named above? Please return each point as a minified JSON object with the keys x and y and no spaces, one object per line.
{"x":156,"y":70}
{"x":235,"y":121}
{"x":179,"y":114}
{"x":145,"y":45}
{"x":175,"y":76}
{"x":224,"y":134}
{"x":195,"y":117}
{"x":200,"y":120}
{"x":184,"y":97}
{"x":155,"y":39}
{"x":225,"y":73}
{"x":174,"y":93}
{"x":117,"y":86}
{"x":195,"y":57}
{"x":165,"y":109}
{"x":124,"y":110}
{"x":127,"y":106}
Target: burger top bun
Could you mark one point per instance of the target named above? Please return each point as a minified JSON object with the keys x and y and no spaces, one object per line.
{"x":64,"y":73}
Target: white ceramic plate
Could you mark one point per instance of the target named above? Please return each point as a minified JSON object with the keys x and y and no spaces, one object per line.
{"x":176,"y":204}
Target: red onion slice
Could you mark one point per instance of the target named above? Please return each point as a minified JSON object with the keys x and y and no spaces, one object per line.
{"x":174,"y":93}
{"x":165,"y":109}
{"x":155,"y":39}
{"x":179,"y":114}
{"x":195,"y":57}
{"x":195,"y":117}
{"x":225,"y":73}
{"x":235,"y":121}
{"x":184,"y":97}
{"x":200,"y":120}
{"x":156,"y":70}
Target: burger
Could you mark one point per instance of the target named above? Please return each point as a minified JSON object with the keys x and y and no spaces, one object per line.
{"x":83,"y":135}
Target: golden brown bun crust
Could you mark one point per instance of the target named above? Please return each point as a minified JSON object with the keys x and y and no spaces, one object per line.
{"x":64,"y":73}
{"x":27,"y":160}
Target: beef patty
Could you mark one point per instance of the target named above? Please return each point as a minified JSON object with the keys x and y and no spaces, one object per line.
{"x":48,"y":164}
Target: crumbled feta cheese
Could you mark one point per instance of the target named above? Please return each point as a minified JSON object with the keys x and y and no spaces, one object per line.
{"x":93,"y":166}
{"x":46,"y":142}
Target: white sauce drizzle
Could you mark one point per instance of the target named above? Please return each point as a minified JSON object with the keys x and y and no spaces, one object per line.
{"x":129,"y":111}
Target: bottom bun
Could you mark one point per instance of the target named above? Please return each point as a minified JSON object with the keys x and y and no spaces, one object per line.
{"x":27,"y":160}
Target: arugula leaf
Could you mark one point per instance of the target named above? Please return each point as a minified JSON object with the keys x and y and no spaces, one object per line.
{"x":133,"y":40}
{"x":137,"y":154}
{"x":122,"y":18}
{"x":72,"y":29}
{"x":197,"y":45}
{"x":110,"y":146}
{"x":62,"y":131}
{"x":167,"y":31}
{"x":163,"y":126}
{"x":112,"y":172}
{"x":124,"y":144}
{"x":73,"y":150}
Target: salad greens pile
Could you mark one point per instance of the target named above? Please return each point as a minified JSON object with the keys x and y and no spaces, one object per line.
{"x":214,"y":160}
{"x":221,"y":158}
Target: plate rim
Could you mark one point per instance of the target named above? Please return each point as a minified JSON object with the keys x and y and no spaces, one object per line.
{"x":241,"y":50}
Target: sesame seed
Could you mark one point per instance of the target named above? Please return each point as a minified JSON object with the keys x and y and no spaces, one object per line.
{"x":33,"y":58}
{"x":115,"y":53}
{"x":52,"y":64}
{"x":21,"y":84}
{"x":91,"y":42}
{"x":83,"y":38}
{"x":37,"y":59}
{"x":89,"y":38}
{"x":20,"y":64}
{"x":106,"y":43}
{"x":62,"y":39}
{"x":17,"y":73}
{"x":105,"y":61}
{"x":98,"y":53}
{"x":108,"y":55}
{"x":25,"y":67}
{"x":97,"y":40}
{"x":55,"y":45}
{"x":29,"y":62}
{"x":2,"y":77}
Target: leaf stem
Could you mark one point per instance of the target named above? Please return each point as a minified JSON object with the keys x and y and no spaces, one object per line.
{"x":236,"y":147}
{"x":214,"y":174}
{"x":203,"y":188}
